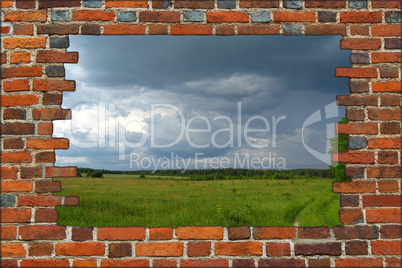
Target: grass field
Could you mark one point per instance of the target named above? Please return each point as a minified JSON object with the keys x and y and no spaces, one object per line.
{"x":126,"y":200}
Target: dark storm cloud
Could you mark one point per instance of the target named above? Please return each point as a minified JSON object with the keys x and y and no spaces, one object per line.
{"x":271,"y":76}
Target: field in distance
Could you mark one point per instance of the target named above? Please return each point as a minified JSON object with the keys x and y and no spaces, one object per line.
{"x":128,"y":200}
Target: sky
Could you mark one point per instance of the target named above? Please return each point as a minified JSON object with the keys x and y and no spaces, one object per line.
{"x":169,"y":102}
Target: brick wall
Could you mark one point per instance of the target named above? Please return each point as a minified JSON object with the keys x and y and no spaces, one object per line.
{"x":33,"y":50}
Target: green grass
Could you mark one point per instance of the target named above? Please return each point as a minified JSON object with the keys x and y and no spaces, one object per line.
{"x":126,"y":200}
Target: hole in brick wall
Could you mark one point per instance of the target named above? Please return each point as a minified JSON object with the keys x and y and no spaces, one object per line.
{"x":194,"y":103}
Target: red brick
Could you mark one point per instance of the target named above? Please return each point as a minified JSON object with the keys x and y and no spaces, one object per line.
{"x":93,"y":15}
{"x":239,"y":232}
{"x":58,"y":29}
{"x":3,"y":58}
{"x":294,"y":16}
{"x":356,"y":72}
{"x":121,"y":233}
{"x":390,"y":100}
{"x":325,"y":30}
{"x":331,"y":248}
{"x":384,"y":114}
{"x":358,"y":262}
{"x":48,"y":143}
{"x":384,"y":172}
{"x":39,"y":200}
{"x":387,"y":4}
{"x":204,"y":263}
{"x":122,"y":29}
{"x":52,"y":99}
{"x":46,"y":215}
{"x":5,"y":29}
{"x":250,"y":248}
{"x":381,"y":247}
{"x":390,"y":86}
{"x":42,"y":232}
{"x":15,"y":143}
{"x":23,"y":29}
{"x":361,"y":16}
{"x":6,"y":3}
{"x":386,"y":30}
{"x":382,"y":200}
{"x":278,"y":249}
{"x":56,"y":57}
{"x":26,"y":4}
{"x":58,"y":172}
{"x":391,"y":231}
{"x":80,"y":249}
{"x":53,"y":85}
{"x":71,"y":201}
{"x":191,"y":29}
{"x":20,"y":57}
{"x":361,"y":43}
{"x":26,"y":16}
{"x":158,"y":29}
{"x":16,"y":85}
{"x":126,"y":3}
{"x":354,"y":114}
{"x":9,"y":172}
{"x":161,"y":233}
{"x":313,"y":232}
{"x":390,"y":128}
{"x":393,"y":262}
{"x":90,"y":29}
{"x":125,"y":263}
{"x":358,"y":86}
{"x":356,"y":248}
{"x":357,"y":100}
{"x":257,"y":30}
{"x":391,"y":215}
{"x":159,"y":16}
{"x":44,"y":263}
{"x":18,"y":128}
{"x":274,"y":233}
{"x":168,"y":249}
{"x":387,"y":157}
{"x":12,"y":250}
{"x":281,"y":263}
{"x":199,"y":232}
{"x":319,"y":263}
{"x":351,"y":216}
{"x":22,"y":72}
{"x":354,"y":157}
{"x":384,"y":143}
{"x":378,"y":57}
{"x":51,"y":114}
{"x":259,"y":3}
{"x":40,"y":249}
{"x":324,"y":3}
{"x":388,"y":186}
{"x":356,"y":232}
{"x":47,"y":186}
{"x":59,"y":3}
{"x":16,"y":157}
{"x":24,"y":42}
{"x":16,"y":186}
{"x":15,"y":215}
{"x":227,"y":16}
{"x":117,"y":250}
{"x":19,"y":100}
{"x":8,"y":232}
{"x":225,"y":30}
{"x":353,"y":187}
{"x":84,"y":263}
{"x":199,"y":249}
{"x":359,"y":30}
{"x":82,"y":233}
{"x":31,"y":172}
{"x":357,"y":128}
{"x":45,"y":129}
{"x":164,"y":263}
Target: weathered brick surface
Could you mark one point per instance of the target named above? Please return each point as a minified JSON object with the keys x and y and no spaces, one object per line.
{"x":34,"y":49}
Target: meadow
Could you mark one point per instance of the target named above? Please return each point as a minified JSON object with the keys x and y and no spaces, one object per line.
{"x":154,"y":201}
